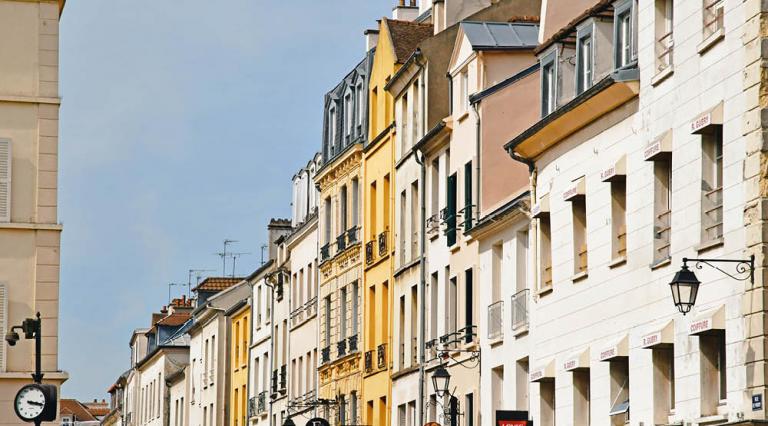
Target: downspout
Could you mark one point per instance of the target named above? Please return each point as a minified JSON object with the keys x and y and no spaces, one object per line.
{"x":317,"y":312}
{"x":422,"y":282}
{"x":534,"y":235}
{"x":477,"y":149}
{"x":250,"y":357}
{"x":271,"y":345}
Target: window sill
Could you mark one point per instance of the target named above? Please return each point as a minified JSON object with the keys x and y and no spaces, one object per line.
{"x":660,"y":263}
{"x":580,"y":276}
{"x":545,"y":290}
{"x":520,"y":331}
{"x":495,"y":342}
{"x":709,"y":245}
{"x":710,"y":41}
{"x":454,"y":248}
{"x":716,"y":419}
{"x":618,"y":261}
{"x":662,"y":75}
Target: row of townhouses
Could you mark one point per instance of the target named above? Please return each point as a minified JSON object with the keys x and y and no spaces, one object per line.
{"x":505,"y":194}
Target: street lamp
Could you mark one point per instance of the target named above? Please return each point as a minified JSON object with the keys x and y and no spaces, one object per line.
{"x":289,"y":422}
{"x":441,"y":380}
{"x":685,"y":285}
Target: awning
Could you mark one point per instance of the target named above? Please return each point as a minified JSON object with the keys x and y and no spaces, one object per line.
{"x":618,"y":349}
{"x":660,"y":337}
{"x":616,"y":171}
{"x":660,"y":148}
{"x":704,"y":122}
{"x":707,"y":322}
{"x":576,"y":191}
{"x":544,"y":372}
{"x":577,"y":360}
{"x":619,"y":408}
{"x":541,"y":209}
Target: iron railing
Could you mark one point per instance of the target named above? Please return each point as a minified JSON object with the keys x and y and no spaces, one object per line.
{"x":325,"y":252}
{"x":352,"y":343}
{"x":383,"y":243}
{"x":713,"y":214}
{"x":283,"y":378}
{"x":664,"y":49}
{"x":369,"y":252}
{"x":519,"y":306}
{"x":496,"y":320}
{"x":368,"y":364}
{"x":353,"y":235}
{"x":325,"y":355}
{"x":433,"y":224}
{"x":262,"y":402}
{"x":662,"y":231}
{"x":253,"y":407}
{"x":341,"y":243}
{"x":381,"y":355}
{"x":341,"y":348}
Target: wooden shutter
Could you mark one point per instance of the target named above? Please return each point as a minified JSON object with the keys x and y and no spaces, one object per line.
{"x":5,"y":180}
{"x":3,"y":322}
{"x":450,"y":215}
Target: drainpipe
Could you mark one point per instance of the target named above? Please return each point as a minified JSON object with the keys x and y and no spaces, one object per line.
{"x":422,"y":282}
{"x":477,"y":149}
{"x":317,"y":313}
{"x":271,"y":343}
{"x":250,"y":357}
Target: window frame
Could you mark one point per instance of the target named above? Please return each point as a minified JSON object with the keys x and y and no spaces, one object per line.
{"x":585,"y":33}
{"x":621,"y":9}
{"x":548,"y":98}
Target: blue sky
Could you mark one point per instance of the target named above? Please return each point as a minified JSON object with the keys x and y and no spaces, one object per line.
{"x":181,"y":125}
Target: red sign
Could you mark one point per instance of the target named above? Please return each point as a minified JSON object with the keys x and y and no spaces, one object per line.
{"x":512,"y":423}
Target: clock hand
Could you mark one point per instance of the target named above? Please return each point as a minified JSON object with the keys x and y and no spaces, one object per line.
{"x":39,"y":404}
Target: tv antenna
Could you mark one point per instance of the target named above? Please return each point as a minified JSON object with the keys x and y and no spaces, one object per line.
{"x":198,"y":274}
{"x":263,"y":247}
{"x":169,"y":290}
{"x":224,"y":255}
{"x":234,"y":257}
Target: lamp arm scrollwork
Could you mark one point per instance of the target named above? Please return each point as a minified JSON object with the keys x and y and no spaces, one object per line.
{"x":744,"y":268}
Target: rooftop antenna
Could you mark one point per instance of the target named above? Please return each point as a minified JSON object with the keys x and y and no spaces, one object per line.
{"x":234,"y":257}
{"x":224,"y":256}
{"x":199,"y":274}
{"x":169,"y":290}
{"x":263,"y":247}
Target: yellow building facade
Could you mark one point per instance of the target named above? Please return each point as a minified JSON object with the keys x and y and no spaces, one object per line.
{"x":397,"y":40}
{"x":240,"y":319}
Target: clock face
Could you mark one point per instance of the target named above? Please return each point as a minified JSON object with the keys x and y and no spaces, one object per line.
{"x":30,"y":402}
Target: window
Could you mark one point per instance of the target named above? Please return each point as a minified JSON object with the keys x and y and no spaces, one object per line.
{"x":355,"y":201}
{"x":327,"y":330}
{"x":521,"y":266}
{"x":327,"y":213}
{"x":415,"y":220}
{"x":712,"y":185}
{"x":663,"y":383}
{"x":584,"y":59}
{"x":619,"y":391}
{"x":579,"y":210}
{"x":662,"y":209}
{"x":343,"y":314}
{"x":432,"y":408}
{"x":469,"y":303}
{"x":371,"y":338}
{"x":450,"y":303}
{"x":464,"y":94}
{"x":547,"y":402}
{"x":450,"y":210}
{"x":373,"y":111}
{"x":404,"y":130}
{"x":415,"y":119}
{"x":372,"y":211}
{"x":497,"y":388}
{"x":348,"y":113}
{"x":342,"y":410}
{"x":5,"y":180}
{"x":713,"y":13}
{"x":343,"y":210}
{"x":401,"y":335}
{"x":469,"y":404}
{"x":435,"y":187}
{"x":433,"y":306}
{"x":385,"y":204}
{"x":581,"y":397}
{"x":624,"y":34}
{"x":497,"y":258}
{"x":468,"y":213}
{"x":353,"y":407}
{"x":403,"y":232}
{"x":354,"y":308}
{"x":545,"y":247}
{"x":360,"y":104}
{"x":548,"y":84}
{"x":522,"y":380}
{"x":619,"y":219}
{"x":332,"y":123}
{"x":663,"y":26}
{"x":414,"y":325}
{"x":401,"y":415}
{"x":713,"y":371}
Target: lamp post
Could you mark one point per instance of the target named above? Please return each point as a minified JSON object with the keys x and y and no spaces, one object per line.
{"x":685,"y":285}
{"x":441,"y":381}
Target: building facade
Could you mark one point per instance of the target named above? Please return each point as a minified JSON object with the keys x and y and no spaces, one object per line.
{"x":239,"y":343}
{"x":260,"y":349}
{"x":339,"y":178}
{"x":29,"y":228}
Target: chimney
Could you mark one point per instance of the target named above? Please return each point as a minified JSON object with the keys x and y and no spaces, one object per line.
{"x":406,"y":10}
{"x":371,"y":39}
{"x":276,"y":229}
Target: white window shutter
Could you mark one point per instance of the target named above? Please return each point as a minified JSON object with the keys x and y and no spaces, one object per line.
{"x":3,"y":322}
{"x":5,"y":180}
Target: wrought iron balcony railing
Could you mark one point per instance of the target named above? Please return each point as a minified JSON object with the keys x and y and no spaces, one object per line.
{"x":325,"y":355}
{"x":262,"y":402}
{"x":325,"y":252}
{"x":253,"y":407}
{"x":433,"y":225}
{"x":369,"y":252}
{"x":353,"y":235}
{"x":520,"y":309}
{"x":341,"y":348}
{"x":496,"y":320}
{"x":283,"y":378}
{"x":381,"y":355}
{"x":383,"y":243}
{"x":368,"y":364}
{"x":341,"y":243}
{"x":352,"y":342}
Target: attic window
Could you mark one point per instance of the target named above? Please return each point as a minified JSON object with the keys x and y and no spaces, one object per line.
{"x":625,"y":51}
{"x":584,"y":59}
{"x":548,"y":84}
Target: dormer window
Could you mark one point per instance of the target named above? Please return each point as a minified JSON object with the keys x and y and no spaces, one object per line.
{"x":584,"y":59}
{"x":360,"y":104}
{"x":348,"y":113}
{"x":548,"y":84}
{"x":464,"y":100}
{"x":624,"y":38}
{"x":332,"y":129}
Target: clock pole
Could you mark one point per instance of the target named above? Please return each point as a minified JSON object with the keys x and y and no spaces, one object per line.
{"x":38,"y":376}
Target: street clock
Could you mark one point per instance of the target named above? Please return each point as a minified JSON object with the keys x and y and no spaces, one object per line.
{"x":36,"y":403}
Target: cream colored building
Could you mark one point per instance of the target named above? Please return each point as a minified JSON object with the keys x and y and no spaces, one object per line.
{"x":260,"y":352}
{"x":646,"y":152}
{"x":29,"y":228}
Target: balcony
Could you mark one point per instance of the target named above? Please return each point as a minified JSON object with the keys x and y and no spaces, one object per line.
{"x":461,"y":336}
{"x":415,"y":352}
{"x":325,"y":355}
{"x":341,"y":348}
{"x":383,"y":243}
{"x":325,"y":252}
{"x":519,"y":312}
{"x":283,"y":378}
{"x":467,"y":214}
{"x":273,"y":382}
{"x":401,"y":360}
{"x":352,"y":343}
{"x":341,"y":243}
{"x":381,"y":356}
{"x":261,"y":406}
{"x":712,"y":209}
{"x":496,"y":320}
{"x":353,"y":236}
{"x":665,"y":46}
{"x":662,"y":231}
{"x":433,"y":225}
{"x":368,"y":361}
{"x":311,"y":306}
{"x":369,"y":252}
{"x":253,"y":407}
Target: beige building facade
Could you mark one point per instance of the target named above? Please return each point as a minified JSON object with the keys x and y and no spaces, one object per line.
{"x":29,"y":228}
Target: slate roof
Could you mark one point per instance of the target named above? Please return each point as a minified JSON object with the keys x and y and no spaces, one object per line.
{"x":217,"y":283}
{"x":501,"y":35}
{"x":406,"y":37}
